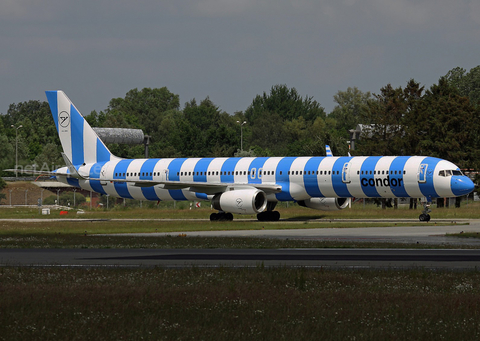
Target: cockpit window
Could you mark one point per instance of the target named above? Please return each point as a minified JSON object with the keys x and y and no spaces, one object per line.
{"x":449,"y":172}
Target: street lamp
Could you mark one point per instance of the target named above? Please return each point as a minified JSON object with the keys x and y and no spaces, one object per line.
{"x":16,"y":148}
{"x":241,"y":134}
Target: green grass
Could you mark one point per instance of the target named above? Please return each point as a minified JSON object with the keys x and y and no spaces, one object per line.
{"x":293,"y":211}
{"x":238,"y":304}
{"x":465,"y":235}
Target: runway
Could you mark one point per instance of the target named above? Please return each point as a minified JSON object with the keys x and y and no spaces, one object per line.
{"x":427,"y":233}
{"x":432,"y":233}
{"x":336,"y":258}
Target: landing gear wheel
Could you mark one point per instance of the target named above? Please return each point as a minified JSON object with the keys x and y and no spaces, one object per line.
{"x":424,"y":217}
{"x":269,"y":216}
{"x":221,"y":216}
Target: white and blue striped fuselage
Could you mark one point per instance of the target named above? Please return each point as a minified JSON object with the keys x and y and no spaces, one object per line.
{"x":298,"y":178}
{"x":246,"y":185}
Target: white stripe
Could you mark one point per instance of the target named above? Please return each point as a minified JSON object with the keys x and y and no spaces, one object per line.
{"x":355,"y":187}
{"x":411,"y":178}
{"x":297,"y":186}
{"x":215,"y":165}
{"x":89,"y":143}
{"x":160,"y":167}
{"x":65,"y":133}
{"x":384,"y":165}
{"x":325,"y":180}
{"x":242,"y":165}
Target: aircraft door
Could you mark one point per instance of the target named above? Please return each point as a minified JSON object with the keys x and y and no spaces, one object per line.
{"x":422,"y":173}
{"x":164,"y":175}
{"x":346,"y":173}
{"x":104,"y":174}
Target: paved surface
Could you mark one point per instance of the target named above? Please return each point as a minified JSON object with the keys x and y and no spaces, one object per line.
{"x":356,"y":258}
{"x":431,"y":233}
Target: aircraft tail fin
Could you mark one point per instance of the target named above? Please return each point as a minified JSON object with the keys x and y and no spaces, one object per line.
{"x":328,"y":150}
{"x":80,"y":143}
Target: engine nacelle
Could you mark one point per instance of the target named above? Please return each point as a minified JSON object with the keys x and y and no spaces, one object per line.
{"x":325,"y":204}
{"x":242,"y":201}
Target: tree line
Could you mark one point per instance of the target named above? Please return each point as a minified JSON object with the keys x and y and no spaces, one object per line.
{"x":442,"y":121}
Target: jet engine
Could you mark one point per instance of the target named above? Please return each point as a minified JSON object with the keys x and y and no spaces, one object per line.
{"x":242,"y":201}
{"x":325,"y":204}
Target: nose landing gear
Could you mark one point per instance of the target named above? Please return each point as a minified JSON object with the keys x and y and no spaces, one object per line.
{"x":425,"y":216}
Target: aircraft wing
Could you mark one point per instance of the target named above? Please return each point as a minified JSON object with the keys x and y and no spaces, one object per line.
{"x":200,"y":187}
{"x":36,"y":172}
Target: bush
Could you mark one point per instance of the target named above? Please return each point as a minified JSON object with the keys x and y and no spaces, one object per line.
{"x":65,"y":199}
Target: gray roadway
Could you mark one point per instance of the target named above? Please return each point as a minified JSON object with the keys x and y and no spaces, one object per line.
{"x":425,"y":233}
{"x":432,"y":233}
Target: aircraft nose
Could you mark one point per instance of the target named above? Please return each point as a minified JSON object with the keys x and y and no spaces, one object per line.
{"x":462,"y":185}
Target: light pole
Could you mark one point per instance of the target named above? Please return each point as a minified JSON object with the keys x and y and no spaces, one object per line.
{"x":241,"y":134}
{"x":16,"y":148}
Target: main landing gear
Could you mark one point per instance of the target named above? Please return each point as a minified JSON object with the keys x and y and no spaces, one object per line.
{"x":425,"y":216}
{"x":269,"y":214}
{"x":221,"y":216}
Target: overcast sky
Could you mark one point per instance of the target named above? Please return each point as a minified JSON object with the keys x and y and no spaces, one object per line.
{"x":229,"y":50}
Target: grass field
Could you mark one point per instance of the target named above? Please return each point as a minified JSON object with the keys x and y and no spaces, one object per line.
{"x":68,"y":303}
{"x":470,"y":210}
{"x":238,"y":304}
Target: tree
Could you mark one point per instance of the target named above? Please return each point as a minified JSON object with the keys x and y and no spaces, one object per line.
{"x":467,"y":83}
{"x":415,"y":118}
{"x":277,"y":122}
{"x":286,"y":103}
{"x":140,"y":108}
{"x":452,"y":129}
{"x":352,"y":105}
{"x":383,"y":132}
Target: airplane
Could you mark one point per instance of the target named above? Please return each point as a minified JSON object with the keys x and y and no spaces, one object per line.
{"x":247,"y":185}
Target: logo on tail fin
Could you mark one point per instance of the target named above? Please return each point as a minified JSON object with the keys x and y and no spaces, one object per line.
{"x":64,"y":119}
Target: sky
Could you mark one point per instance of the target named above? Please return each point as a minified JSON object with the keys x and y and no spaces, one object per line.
{"x":229,"y":50}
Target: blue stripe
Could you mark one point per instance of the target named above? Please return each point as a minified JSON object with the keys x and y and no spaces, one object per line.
{"x":53,"y":102}
{"x":121,"y":187}
{"x":368,"y":166}
{"x":228,"y":167}
{"x":76,"y":124}
{"x":95,"y":173}
{"x":201,"y":168}
{"x":428,"y":188}
{"x":173,"y":175}
{"x":398,"y":164}
{"x":257,"y":165}
{"x":146,"y":173}
{"x":103,"y":154}
{"x":339,"y":186}
{"x":284,"y":166}
{"x":73,"y":182}
{"x":311,"y":180}
{"x":202,"y":196}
